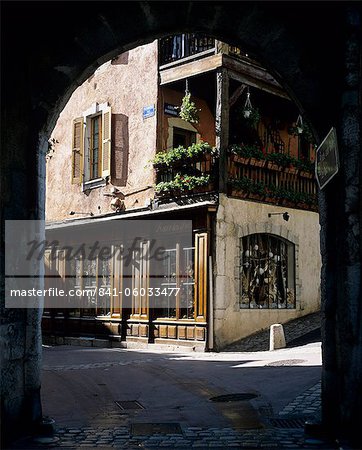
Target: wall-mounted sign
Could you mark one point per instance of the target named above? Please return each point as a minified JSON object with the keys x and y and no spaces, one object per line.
{"x":327,"y":160}
{"x":171,"y":110}
{"x":148,"y":111}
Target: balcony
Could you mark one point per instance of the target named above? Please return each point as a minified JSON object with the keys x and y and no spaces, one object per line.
{"x":186,"y":172}
{"x":272,"y":178}
{"x":185,"y":55}
{"x":184,"y":46}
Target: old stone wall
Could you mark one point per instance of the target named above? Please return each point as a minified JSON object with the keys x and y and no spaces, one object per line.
{"x":237,"y":218}
{"x":128,"y":83}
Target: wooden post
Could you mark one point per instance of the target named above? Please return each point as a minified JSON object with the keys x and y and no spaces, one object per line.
{"x":222,"y":124}
{"x":221,"y":47}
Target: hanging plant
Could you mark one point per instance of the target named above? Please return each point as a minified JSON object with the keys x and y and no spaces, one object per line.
{"x":188,"y":111}
{"x":253,"y":117}
{"x":250,"y":114}
{"x":302,"y":129}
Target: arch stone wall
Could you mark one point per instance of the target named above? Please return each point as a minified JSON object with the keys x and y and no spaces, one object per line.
{"x":50,"y":48}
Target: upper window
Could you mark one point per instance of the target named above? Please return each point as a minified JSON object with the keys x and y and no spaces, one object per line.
{"x":183,"y":137}
{"x":95,"y":148}
{"x":181,"y":133}
{"x":91,"y":145}
{"x":267,"y":272}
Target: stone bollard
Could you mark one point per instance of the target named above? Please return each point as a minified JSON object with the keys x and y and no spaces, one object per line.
{"x":277,"y":339}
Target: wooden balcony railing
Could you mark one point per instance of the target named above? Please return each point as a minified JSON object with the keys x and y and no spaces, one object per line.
{"x":270,"y":183}
{"x":204,"y":168}
{"x":180,"y":46}
{"x":255,"y":179}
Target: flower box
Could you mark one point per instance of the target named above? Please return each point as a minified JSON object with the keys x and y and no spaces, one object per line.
{"x":201,"y":189}
{"x":255,"y":196}
{"x":288,"y":203}
{"x":269,"y":199}
{"x":273,"y":166}
{"x":237,"y":193}
{"x":240,"y":159}
{"x":259,"y":162}
{"x":306,"y":174}
{"x":292,"y":170}
{"x":167,"y":194}
{"x":303,"y":205}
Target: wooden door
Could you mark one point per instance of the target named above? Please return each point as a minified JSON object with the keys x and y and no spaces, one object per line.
{"x":201,"y":276}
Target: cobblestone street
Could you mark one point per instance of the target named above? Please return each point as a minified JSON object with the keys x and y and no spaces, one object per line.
{"x":306,"y":405}
{"x":174,"y":393}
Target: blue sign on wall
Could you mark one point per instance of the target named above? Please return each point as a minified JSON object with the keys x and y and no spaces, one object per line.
{"x":148,"y":111}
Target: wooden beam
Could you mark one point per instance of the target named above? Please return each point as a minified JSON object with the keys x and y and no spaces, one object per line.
{"x":238,"y":91}
{"x":257,"y":72}
{"x":190,"y":69}
{"x":250,"y":81}
{"x":222,"y":124}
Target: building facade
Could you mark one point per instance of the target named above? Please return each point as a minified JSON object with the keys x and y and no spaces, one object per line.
{"x":186,"y":128}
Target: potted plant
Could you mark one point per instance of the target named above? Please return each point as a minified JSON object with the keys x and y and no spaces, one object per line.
{"x":247,"y":154}
{"x":182,"y":183}
{"x":306,"y":168}
{"x":250,"y":114}
{"x":281,"y":160}
{"x":180,"y":155}
{"x":302,"y":128}
{"x":238,"y":155}
{"x":188,"y":110}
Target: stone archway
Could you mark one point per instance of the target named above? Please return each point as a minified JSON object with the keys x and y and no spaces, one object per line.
{"x":50,"y":48}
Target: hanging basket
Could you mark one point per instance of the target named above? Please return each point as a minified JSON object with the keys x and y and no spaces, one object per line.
{"x":188,"y":111}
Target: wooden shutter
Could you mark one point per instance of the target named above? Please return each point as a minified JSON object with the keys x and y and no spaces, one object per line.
{"x":106,"y":142}
{"x":77,"y":150}
{"x":200,"y":275}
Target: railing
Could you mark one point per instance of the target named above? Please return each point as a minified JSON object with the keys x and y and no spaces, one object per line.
{"x":271,"y":183}
{"x":179,"y":46}
{"x":202,"y":167}
{"x":206,"y":166}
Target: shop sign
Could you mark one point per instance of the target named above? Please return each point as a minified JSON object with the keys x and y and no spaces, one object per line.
{"x":327,"y":160}
{"x":171,"y":110}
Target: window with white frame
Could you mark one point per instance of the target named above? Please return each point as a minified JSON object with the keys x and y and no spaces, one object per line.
{"x":267,"y":272}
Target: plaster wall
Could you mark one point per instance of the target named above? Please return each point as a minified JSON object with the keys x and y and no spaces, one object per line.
{"x":128,"y":83}
{"x":206,"y":125}
{"x":236,"y":218}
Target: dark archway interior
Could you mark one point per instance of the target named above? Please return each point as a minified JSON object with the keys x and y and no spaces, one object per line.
{"x":48,"y":49}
